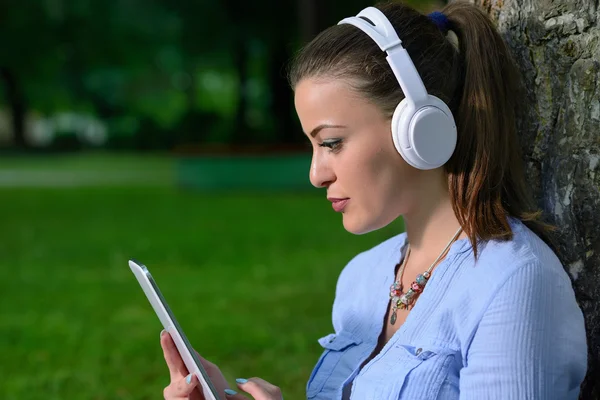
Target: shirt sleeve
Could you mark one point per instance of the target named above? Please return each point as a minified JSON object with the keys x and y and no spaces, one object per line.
{"x":530,"y":342}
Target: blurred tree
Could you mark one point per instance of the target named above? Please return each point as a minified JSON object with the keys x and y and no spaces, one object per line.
{"x":239,"y":23}
{"x":83,"y":56}
{"x":25,"y":52}
{"x":204,"y":43}
{"x":309,"y":18}
{"x":147,"y":67}
{"x":16,"y":101}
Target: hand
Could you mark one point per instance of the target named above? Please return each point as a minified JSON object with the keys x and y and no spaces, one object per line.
{"x":184,"y":386}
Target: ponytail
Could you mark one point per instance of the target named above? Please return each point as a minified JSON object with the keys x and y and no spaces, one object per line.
{"x":486,"y":173}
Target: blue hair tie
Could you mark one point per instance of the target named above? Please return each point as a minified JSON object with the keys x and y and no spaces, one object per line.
{"x":440,"y":20}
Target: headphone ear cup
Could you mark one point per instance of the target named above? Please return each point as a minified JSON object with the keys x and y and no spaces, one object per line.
{"x":434,"y":134}
{"x":426,"y":137}
{"x":399,"y":134}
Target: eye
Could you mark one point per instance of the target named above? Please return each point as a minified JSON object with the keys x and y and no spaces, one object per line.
{"x":332,"y":144}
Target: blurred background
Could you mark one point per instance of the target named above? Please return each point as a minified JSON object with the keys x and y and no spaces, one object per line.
{"x":163,"y":131}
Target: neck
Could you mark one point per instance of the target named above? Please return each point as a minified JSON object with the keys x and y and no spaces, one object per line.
{"x":431,"y":227}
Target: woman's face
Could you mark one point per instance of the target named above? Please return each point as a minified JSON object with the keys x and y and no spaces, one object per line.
{"x":354,"y":156}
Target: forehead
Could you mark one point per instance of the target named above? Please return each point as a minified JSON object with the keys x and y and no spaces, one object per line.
{"x":328,"y":101}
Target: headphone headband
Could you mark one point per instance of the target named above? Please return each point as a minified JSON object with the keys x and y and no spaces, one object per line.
{"x":383,"y":33}
{"x":422,"y":127}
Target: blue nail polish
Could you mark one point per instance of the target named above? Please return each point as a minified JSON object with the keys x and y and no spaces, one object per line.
{"x":241,"y":380}
{"x":230,"y":392}
{"x":188,"y":379}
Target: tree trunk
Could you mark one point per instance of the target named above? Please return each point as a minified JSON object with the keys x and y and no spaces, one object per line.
{"x":308,"y":19}
{"x":557,"y":45}
{"x":239,"y":29}
{"x":241,"y":133}
{"x":16,"y":101}
{"x":282,"y":105}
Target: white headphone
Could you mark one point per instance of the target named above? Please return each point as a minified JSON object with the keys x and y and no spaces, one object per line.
{"x":423,"y":128}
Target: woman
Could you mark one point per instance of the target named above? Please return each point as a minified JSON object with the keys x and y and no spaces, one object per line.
{"x":470,"y":302}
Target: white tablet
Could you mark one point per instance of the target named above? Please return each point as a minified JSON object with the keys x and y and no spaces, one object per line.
{"x":164,"y":313}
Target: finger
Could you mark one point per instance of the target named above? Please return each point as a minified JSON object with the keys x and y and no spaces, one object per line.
{"x":177,"y":368}
{"x":205,"y":363}
{"x":210,"y":368}
{"x":233,"y":395}
{"x":259,"y":389}
{"x":181,"y":388}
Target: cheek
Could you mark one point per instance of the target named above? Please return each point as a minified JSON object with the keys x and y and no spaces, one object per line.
{"x":384,"y":166}
{"x":392,"y":180}
{"x":373,"y":172}
{"x":364,"y":166}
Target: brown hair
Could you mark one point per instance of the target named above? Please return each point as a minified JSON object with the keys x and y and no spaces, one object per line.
{"x":480,"y":83}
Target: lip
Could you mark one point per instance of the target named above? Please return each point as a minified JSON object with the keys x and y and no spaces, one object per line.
{"x":338,"y":204}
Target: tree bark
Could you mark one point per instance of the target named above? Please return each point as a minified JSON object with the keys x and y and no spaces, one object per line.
{"x":557,"y":46}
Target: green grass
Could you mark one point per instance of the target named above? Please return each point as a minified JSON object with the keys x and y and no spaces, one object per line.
{"x":89,"y":169}
{"x":96,"y":161}
{"x":250,"y":277}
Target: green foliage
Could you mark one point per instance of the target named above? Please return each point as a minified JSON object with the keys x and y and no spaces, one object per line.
{"x":157,"y":61}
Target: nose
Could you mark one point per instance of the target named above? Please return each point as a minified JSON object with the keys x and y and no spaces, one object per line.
{"x":321,"y":173}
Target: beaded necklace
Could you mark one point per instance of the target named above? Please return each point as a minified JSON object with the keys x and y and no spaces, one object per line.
{"x":403,"y":301}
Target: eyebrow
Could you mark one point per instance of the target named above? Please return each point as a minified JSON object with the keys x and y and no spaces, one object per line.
{"x":318,"y":129}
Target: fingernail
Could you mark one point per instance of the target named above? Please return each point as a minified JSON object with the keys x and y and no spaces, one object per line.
{"x":162,"y":333}
{"x":241,"y":380}
{"x":230,"y":392}
{"x":188,"y":379}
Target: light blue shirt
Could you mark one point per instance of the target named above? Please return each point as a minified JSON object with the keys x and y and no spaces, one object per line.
{"x":507,"y":327}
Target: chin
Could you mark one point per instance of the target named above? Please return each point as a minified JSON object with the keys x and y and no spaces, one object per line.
{"x":359,"y":227}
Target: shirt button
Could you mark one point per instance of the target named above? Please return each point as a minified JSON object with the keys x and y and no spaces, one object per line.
{"x":419,"y":350}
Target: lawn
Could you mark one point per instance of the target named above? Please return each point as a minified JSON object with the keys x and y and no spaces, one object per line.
{"x":250,"y":276}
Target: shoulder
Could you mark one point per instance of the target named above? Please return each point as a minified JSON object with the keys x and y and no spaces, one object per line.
{"x":524,"y":273}
{"x":520,"y":306}
{"x":526,"y":253}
